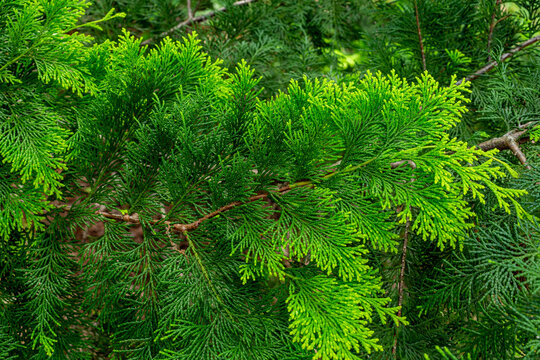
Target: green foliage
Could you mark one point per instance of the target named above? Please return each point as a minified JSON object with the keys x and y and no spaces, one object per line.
{"x":447,"y":354}
{"x":493,"y":281}
{"x":156,"y":203}
{"x":507,"y":101}
{"x":279,"y":39}
{"x":448,"y":28}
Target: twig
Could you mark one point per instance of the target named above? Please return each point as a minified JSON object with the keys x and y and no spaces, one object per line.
{"x":190,"y":11}
{"x":194,"y":225}
{"x":420,"y":36}
{"x":182,"y":228}
{"x":512,"y":144}
{"x":397,"y":164}
{"x":510,"y":140}
{"x":491,"y":28}
{"x":197,"y":19}
{"x":401,"y":284}
{"x":505,"y":56}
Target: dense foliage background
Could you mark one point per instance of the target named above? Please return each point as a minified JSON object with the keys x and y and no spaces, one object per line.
{"x":186,"y":200}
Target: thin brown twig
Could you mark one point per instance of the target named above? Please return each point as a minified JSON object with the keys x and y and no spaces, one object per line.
{"x":420,"y":36}
{"x":492,"y":28}
{"x":190,"y":10}
{"x":502,"y":19}
{"x":134,"y":219}
{"x":505,"y":56}
{"x":194,"y":225}
{"x":501,"y":142}
{"x":196,"y":19}
{"x":511,"y":141}
{"x":401,"y":284}
{"x":181,"y":228}
{"x":397,"y":164}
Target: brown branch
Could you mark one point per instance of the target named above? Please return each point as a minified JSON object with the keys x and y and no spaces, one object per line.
{"x":181,"y":228}
{"x":190,"y":10}
{"x":192,"y":20}
{"x":420,"y":36}
{"x":505,"y":56}
{"x":512,"y":144}
{"x":511,"y":141}
{"x":397,"y":164}
{"x":401,"y":284}
{"x":491,"y":28}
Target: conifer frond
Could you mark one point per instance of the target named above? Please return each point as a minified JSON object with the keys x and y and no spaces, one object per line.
{"x":331,"y":316}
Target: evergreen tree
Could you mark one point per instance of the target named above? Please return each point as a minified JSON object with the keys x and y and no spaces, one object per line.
{"x":157,"y":202}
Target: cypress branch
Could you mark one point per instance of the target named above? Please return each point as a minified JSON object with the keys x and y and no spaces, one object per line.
{"x":488,"y":67}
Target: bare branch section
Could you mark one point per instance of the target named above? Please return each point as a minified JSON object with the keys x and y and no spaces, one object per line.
{"x":182,"y":228}
{"x":505,"y":56}
{"x":401,"y":284}
{"x":197,"y":19}
{"x":511,"y":141}
{"x":492,"y":28}
{"x":190,"y":10}
{"x":397,"y":164}
{"x":422,"y":52}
